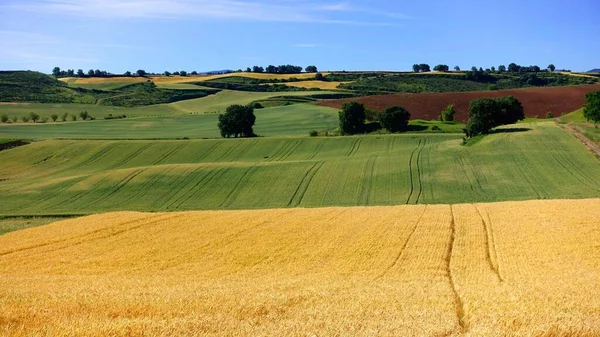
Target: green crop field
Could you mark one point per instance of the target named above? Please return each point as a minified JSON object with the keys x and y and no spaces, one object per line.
{"x":296,"y":119}
{"x":537,"y":161}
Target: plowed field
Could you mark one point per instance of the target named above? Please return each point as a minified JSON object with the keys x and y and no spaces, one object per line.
{"x":536,"y":101}
{"x":493,"y":269}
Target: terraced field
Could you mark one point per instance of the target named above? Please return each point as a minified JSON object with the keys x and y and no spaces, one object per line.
{"x":76,"y":176}
{"x":514,"y":268}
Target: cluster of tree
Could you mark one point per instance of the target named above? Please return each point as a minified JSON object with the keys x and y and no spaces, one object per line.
{"x":441,"y":67}
{"x":591,"y":109}
{"x":35,"y":117}
{"x":179,"y":73}
{"x":487,"y":113}
{"x":237,"y":121}
{"x":421,"y":68}
{"x":57,"y":72}
{"x":353,"y":114}
{"x":514,"y":68}
{"x":282,"y":69}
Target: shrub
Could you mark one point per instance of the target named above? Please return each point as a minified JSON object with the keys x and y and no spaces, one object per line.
{"x":313,"y":133}
{"x":54,"y":117}
{"x":25,"y":119}
{"x":549,"y":115}
{"x":73,"y":118}
{"x":14,"y":119}
{"x":371,"y":115}
{"x":394,"y":118}
{"x":64,"y":117}
{"x":44,"y":120}
{"x":84,"y":115}
{"x":34,"y":116}
{"x":256,"y":105}
{"x":352,"y":118}
{"x":436,"y":128}
{"x":319,"y":77}
{"x":4,"y":118}
{"x":447,"y":115}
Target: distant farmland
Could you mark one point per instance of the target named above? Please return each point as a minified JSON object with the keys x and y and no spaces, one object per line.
{"x":540,"y":161}
{"x":527,"y":268}
{"x":536,"y":101}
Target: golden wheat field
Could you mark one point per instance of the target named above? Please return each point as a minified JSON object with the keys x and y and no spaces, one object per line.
{"x":529,"y":268}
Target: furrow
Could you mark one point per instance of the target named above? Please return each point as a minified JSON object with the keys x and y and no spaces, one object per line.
{"x":460,"y":308}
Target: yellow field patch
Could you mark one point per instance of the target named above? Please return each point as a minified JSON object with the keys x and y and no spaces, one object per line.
{"x":315,"y":84}
{"x":510,"y":268}
{"x":98,"y":80}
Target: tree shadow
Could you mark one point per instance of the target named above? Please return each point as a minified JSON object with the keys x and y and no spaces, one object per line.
{"x":415,"y":128}
{"x":510,"y":130}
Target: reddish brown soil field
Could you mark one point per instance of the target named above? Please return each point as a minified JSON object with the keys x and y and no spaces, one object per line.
{"x":536,"y":101}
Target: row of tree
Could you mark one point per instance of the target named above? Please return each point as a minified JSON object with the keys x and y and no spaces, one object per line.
{"x":57,"y":72}
{"x":512,"y":68}
{"x":282,"y":69}
{"x":35,"y":118}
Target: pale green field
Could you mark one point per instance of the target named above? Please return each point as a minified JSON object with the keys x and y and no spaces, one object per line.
{"x":71,"y":176}
{"x":297,"y":119}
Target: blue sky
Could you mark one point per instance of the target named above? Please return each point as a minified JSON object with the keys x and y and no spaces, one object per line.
{"x":201,"y":35}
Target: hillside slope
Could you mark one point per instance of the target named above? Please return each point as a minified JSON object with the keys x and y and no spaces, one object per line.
{"x":478,"y":269}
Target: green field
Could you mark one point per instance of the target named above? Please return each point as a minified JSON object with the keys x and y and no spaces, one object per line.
{"x":71,"y":176}
{"x":296,"y":119}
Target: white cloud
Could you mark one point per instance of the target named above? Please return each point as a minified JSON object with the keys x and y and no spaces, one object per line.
{"x":265,"y":10}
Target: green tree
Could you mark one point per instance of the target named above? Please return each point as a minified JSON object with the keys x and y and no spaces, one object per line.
{"x":25,"y":119}
{"x":551,"y":67}
{"x":90,"y":72}
{"x":501,"y":68}
{"x":70,"y":73}
{"x":73,"y":118}
{"x":183,"y":73}
{"x":54,"y":117}
{"x":80,"y":73}
{"x":4,"y":118}
{"x":481,"y":116}
{"x":514,"y":68}
{"x":416,"y":68}
{"x":127,"y":73}
{"x":64,"y":117}
{"x":237,"y":120}
{"x":394,"y":118}
{"x":352,"y":118}
{"x":257,"y":69}
{"x":167,"y":73}
{"x":34,"y":116}
{"x":493,"y":69}
{"x":456,"y":68}
{"x":56,"y":71}
{"x":319,"y":77}
{"x":311,"y":69}
{"x":591,"y":109}
{"x":424,"y":67}
{"x":441,"y":67}
{"x":194,"y":72}
{"x":14,"y":119}
{"x":447,"y":115}
{"x":510,"y":111}
{"x":141,"y":73}
{"x":84,"y":115}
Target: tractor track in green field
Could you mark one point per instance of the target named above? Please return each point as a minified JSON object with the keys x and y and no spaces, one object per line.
{"x":316,"y":151}
{"x":229,"y":151}
{"x":178,"y":185}
{"x":169,"y":154}
{"x":132,"y":156}
{"x":284,"y":150}
{"x":291,"y":150}
{"x":561,"y":159}
{"x":417,"y":150}
{"x":211,"y":150}
{"x":197,"y":188}
{"x":121,"y":184}
{"x":302,"y":187}
{"x":354,"y":148}
{"x":237,"y":188}
{"x":367,"y":184}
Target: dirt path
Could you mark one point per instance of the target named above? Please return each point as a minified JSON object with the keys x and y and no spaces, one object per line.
{"x":588,"y":143}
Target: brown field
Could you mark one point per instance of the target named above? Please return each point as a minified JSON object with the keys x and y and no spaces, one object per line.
{"x":536,"y":101}
{"x":529,"y":268}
